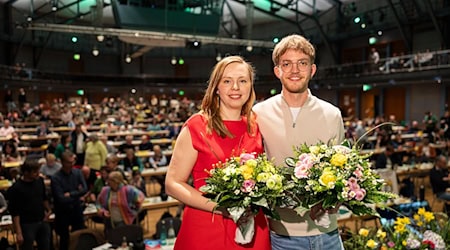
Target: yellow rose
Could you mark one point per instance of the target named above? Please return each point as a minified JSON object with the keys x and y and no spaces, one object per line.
{"x":246,"y":171}
{"x":314,"y":150}
{"x":363,"y":232}
{"x":371,"y":244}
{"x":327,"y":179}
{"x":421,"y":211}
{"x":400,"y":228}
{"x":381,"y":234}
{"x":338,"y":160}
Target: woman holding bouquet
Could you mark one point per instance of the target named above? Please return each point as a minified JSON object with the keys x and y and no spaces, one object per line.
{"x":224,"y":127}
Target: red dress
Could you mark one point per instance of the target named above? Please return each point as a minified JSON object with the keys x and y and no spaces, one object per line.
{"x":205,"y":230}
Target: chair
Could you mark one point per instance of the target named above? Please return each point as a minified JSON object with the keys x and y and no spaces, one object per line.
{"x":86,"y":239}
{"x":133,"y":233}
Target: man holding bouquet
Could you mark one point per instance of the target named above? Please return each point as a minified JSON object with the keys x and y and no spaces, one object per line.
{"x":295,"y":117}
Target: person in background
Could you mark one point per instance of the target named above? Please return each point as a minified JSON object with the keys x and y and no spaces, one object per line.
{"x":109,"y":147}
{"x":43,"y":129}
{"x":68,"y":186}
{"x":440,"y":179}
{"x":29,"y":208}
{"x":51,"y":166}
{"x":51,"y":147}
{"x":90,"y":176}
{"x":99,"y":183}
{"x":292,"y":118}
{"x":374,"y":60}
{"x":118,"y":202}
{"x":224,"y":127}
{"x":79,"y":143}
{"x":158,"y":160}
{"x":127,"y":144}
{"x":64,"y":145}
{"x":9,"y":152}
{"x":146,"y":144}
{"x":7,"y":129}
{"x":130,"y":161}
{"x":96,"y":153}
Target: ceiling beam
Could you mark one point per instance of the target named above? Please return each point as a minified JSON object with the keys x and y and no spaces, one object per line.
{"x":400,"y":26}
{"x":435,"y":22}
{"x":150,"y":35}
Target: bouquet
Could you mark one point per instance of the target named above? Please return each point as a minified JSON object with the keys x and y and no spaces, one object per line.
{"x":332,"y":175}
{"x":249,"y":181}
{"x":425,"y":230}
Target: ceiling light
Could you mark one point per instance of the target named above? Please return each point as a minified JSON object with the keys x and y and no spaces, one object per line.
{"x":100,"y":38}
{"x":249,"y":48}
{"x":218,"y":57}
{"x":173,"y":61}
{"x":95,"y":51}
{"x":127,"y":58}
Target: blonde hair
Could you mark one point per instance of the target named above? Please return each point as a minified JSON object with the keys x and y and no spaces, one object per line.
{"x":295,"y":42}
{"x":210,"y":103}
{"x":117,"y":177}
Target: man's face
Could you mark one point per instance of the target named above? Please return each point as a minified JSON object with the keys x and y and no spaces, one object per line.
{"x":295,"y":70}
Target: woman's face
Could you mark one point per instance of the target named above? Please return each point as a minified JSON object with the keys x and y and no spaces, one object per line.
{"x":234,"y":87}
{"x":114,"y":185}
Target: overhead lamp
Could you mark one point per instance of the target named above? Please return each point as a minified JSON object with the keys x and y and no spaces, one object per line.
{"x":195,"y":44}
{"x":181,"y":61}
{"x":76,"y":56}
{"x":29,"y":19}
{"x":357,"y":19}
{"x":95,"y":51}
{"x":380,"y":32}
{"x":276,"y":40}
{"x":100,"y":38}
{"x":249,"y":48}
{"x":218,"y":57}
{"x":128,"y":58}
{"x":74,"y":39}
{"x":363,"y":26}
{"x":173,"y":61}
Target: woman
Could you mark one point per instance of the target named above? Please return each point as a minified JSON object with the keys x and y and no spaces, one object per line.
{"x":119,"y":203}
{"x":224,"y":127}
{"x":95,"y":154}
{"x":65,"y":144}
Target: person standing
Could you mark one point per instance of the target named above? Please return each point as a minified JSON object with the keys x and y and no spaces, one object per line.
{"x":79,"y":139}
{"x":68,"y":186}
{"x":29,"y":208}
{"x":96,"y":153}
{"x":224,"y":127}
{"x":290,"y":119}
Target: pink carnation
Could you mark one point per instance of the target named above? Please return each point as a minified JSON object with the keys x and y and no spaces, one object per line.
{"x":301,"y":171}
{"x":358,"y":173}
{"x":248,"y":186}
{"x":360,"y":194}
{"x":305,"y":159}
{"x":245,"y":157}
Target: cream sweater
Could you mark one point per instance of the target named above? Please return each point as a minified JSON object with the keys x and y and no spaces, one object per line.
{"x":317,"y":121}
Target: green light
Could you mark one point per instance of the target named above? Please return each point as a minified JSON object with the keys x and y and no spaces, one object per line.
{"x":76,"y":57}
{"x":357,"y":19}
{"x":372,"y":40}
{"x":181,"y":92}
{"x":273,"y":91}
{"x":276,"y":40}
{"x":180,"y":61}
{"x":367,"y":87}
{"x":74,"y":39}
{"x":80,"y":92}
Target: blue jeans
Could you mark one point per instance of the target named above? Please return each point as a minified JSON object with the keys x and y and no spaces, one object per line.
{"x":326,"y":241}
{"x":39,"y":232}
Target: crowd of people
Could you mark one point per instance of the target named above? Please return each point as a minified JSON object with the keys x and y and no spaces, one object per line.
{"x":225,"y":123}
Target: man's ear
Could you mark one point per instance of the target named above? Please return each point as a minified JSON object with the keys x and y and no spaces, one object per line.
{"x":277,"y":71}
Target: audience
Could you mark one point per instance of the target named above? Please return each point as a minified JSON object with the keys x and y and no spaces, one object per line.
{"x":51,"y":166}
{"x":96,"y":153}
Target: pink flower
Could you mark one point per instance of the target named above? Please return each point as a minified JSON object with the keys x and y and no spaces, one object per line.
{"x":305,"y":159}
{"x":358,"y":173}
{"x":248,"y":186}
{"x":245,"y":157}
{"x":360,"y":194}
{"x":301,"y":171}
{"x":390,"y":244}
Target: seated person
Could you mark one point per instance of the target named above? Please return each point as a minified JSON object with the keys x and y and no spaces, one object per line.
{"x":146,"y":144}
{"x":7,"y":129}
{"x":51,"y":166}
{"x":387,"y":159}
{"x":9,"y":152}
{"x":51,"y":147}
{"x":99,"y":183}
{"x":159,"y":160}
{"x":119,"y":203}
{"x":130,"y":161}
{"x":440,"y":178}
{"x":127,"y":144}
{"x":89,"y":177}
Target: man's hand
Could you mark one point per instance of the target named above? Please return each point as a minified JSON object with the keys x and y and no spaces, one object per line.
{"x":19,"y":239}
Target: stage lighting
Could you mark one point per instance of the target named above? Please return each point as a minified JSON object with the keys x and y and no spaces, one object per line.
{"x":193,"y":44}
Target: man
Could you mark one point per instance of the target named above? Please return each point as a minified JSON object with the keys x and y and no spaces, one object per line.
{"x":68,"y":186}
{"x":29,"y":207}
{"x":79,"y":144}
{"x":7,"y":129}
{"x":295,"y":117}
{"x":440,"y":178}
{"x":51,"y":166}
{"x":127,"y":144}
